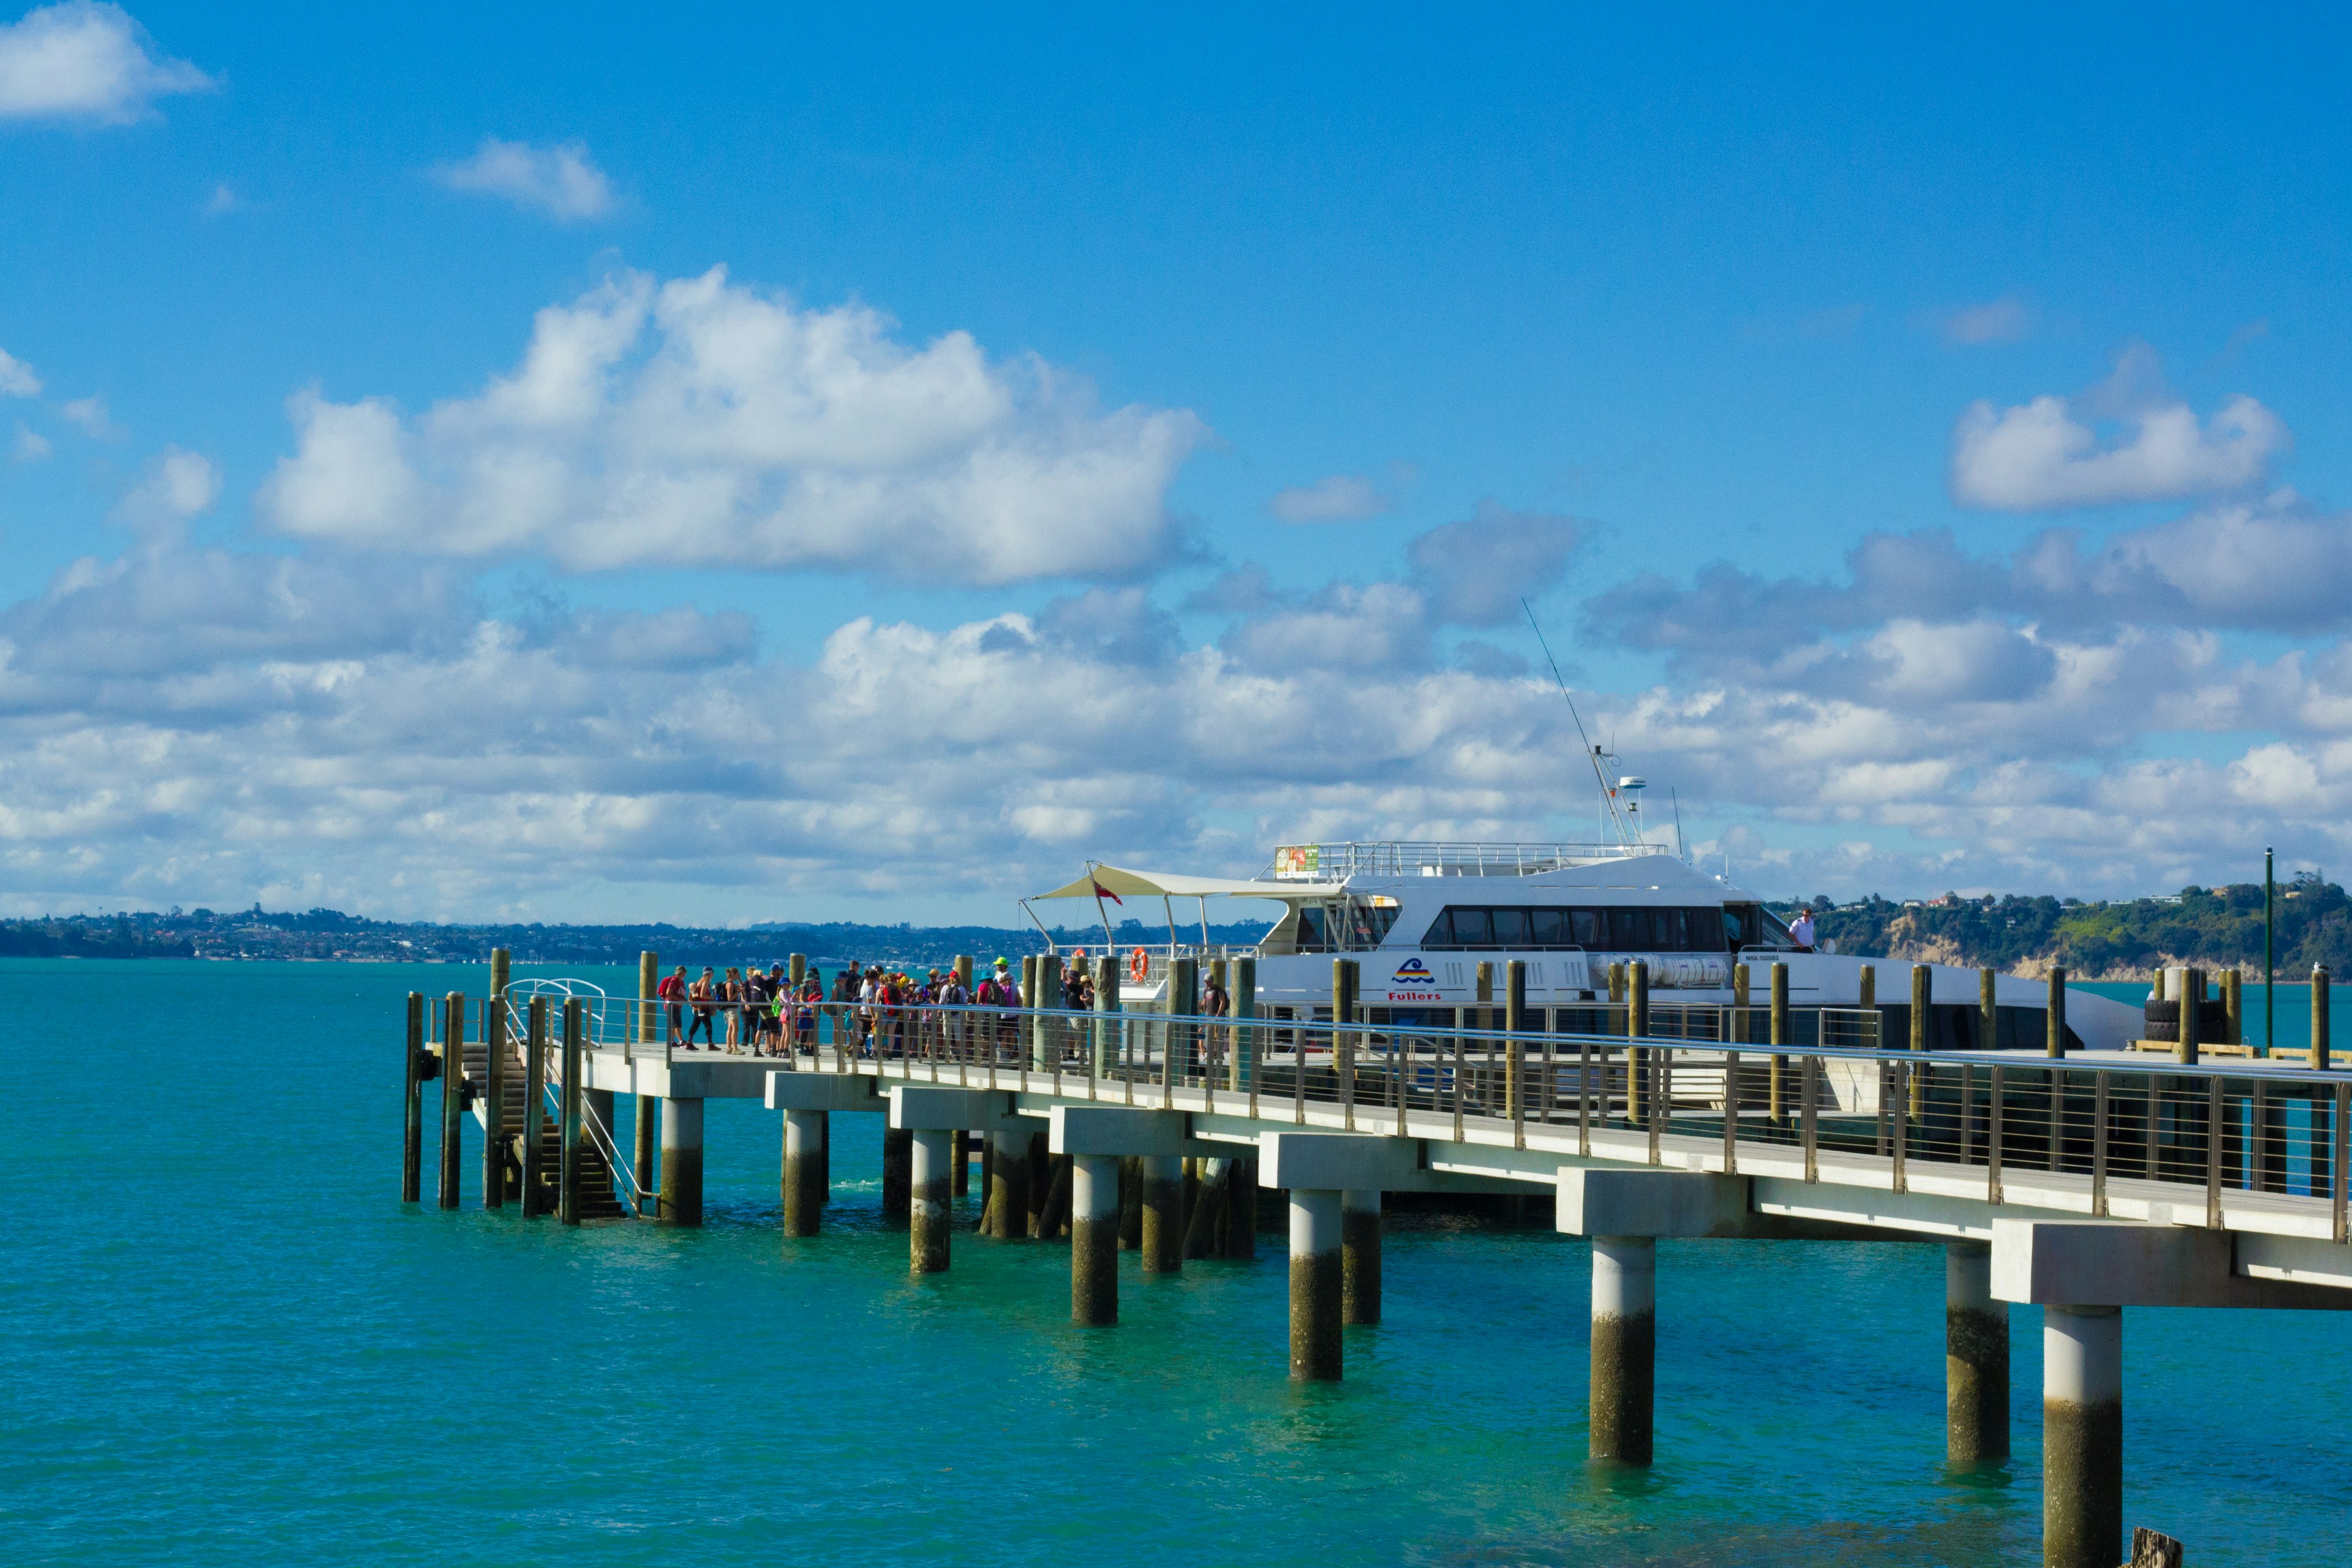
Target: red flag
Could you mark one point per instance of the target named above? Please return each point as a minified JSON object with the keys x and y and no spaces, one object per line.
{"x":1103,"y":892}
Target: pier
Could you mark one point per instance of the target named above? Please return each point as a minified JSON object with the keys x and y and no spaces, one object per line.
{"x":2086,"y":1184}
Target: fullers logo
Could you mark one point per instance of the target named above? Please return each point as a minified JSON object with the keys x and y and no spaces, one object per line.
{"x":1413,"y":982}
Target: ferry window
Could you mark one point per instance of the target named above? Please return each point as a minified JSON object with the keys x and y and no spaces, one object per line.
{"x":1473,"y":928}
{"x":1544,"y":928}
{"x":1511,"y":928}
{"x":1311,"y":938}
{"x":1586,"y":928}
{"x":1706,"y":929}
{"x":1738,"y":926}
{"x":1441,"y":931}
{"x":1367,"y":925}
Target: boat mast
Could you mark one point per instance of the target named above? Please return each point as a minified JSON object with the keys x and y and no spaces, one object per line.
{"x":1591,"y":751}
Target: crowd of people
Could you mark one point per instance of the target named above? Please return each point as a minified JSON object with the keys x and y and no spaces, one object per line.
{"x":868,"y":1010}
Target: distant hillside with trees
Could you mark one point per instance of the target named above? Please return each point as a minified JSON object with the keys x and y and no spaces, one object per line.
{"x":2213,"y":927}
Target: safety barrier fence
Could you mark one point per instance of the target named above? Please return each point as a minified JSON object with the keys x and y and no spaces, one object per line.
{"x":1695,"y":1091}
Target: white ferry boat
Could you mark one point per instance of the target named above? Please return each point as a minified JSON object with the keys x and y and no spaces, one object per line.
{"x":1421,"y":917}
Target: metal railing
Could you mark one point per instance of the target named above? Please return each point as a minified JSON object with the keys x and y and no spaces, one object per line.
{"x":1335,"y":862}
{"x":610,"y":1023}
{"x":2250,"y":1145}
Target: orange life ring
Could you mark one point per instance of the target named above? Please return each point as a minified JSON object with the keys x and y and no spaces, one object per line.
{"x":1139,"y":966}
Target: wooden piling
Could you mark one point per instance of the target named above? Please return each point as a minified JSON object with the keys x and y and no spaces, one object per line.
{"x":1777,"y":1086}
{"x":1637,"y":1027}
{"x":1179,"y":1045}
{"x":2054,"y":1042}
{"x":534,"y":1110}
{"x":1105,"y":1040}
{"x":1045,"y":1033}
{"x":1241,"y":1059}
{"x":959,"y":1162}
{"x":2192,"y":1001}
{"x":453,"y":1092}
{"x":1514,"y":1050}
{"x":567,"y":1202}
{"x":412,"y":1133}
{"x":1344,"y":980}
{"x":2319,"y":1023}
{"x":1988,"y":1012}
{"x":1914,"y":1075}
{"x":2234,"y":1007}
{"x":645,"y":1158}
{"x":494,"y":1087}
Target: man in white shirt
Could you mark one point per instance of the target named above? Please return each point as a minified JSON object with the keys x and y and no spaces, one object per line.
{"x":1801,"y":929}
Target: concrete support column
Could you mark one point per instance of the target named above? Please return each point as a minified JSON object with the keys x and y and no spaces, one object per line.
{"x":682,"y":1161}
{"x":927,"y":1206}
{"x":1008,"y":1186}
{"x":1094,"y":1239}
{"x":803,"y":1172}
{"x":2082,"y":1436}
{"x":1315,"y":1286}
{"x":1164,"y":1215}
{"x":898,"y":1175}
{"x":1976,"y":1359}
{"x":1624,"y":1347}
{"x":1360,"y":1256}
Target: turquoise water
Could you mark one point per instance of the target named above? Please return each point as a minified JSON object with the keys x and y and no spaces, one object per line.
{"x":225,"y":1340}
{"x":2290,"y":1015}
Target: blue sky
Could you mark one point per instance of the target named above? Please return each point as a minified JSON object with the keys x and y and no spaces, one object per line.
{"x":1925,"y":441}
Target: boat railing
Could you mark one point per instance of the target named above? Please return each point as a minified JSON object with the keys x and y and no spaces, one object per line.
{"x":1335,"y":862}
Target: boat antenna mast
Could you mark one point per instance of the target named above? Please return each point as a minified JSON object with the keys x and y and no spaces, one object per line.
{"x":1593,"y":754}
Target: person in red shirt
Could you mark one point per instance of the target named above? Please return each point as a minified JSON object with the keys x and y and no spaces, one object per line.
{"x":672,"y":991}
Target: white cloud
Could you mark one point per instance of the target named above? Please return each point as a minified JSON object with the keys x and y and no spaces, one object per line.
{"x":2037,"y":455}
{"x":176,"y":487}
{"x":1342,"y":498}
{"x":700,"y":423}
{"x":1475,"y":572}
{"x":85,"y":60}
{"x":223,"y":200}
{"x":91,"y":414}
{"x":205,"y":726}
{"x":31,"y":444}
{"x":1997,"y":322}
{"x":560,"y":180}
{"x":16,"y":377}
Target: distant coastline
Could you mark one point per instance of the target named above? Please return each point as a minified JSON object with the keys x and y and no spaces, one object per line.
{"x":2122,"y":941}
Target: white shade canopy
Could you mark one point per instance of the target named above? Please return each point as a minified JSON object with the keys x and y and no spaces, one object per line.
{"x":1169,"y":884}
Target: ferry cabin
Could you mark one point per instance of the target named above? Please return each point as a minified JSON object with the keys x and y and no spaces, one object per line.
{"x":1420,"y":919}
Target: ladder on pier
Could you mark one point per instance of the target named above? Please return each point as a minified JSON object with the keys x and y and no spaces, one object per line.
{"x":599,"y":1196}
